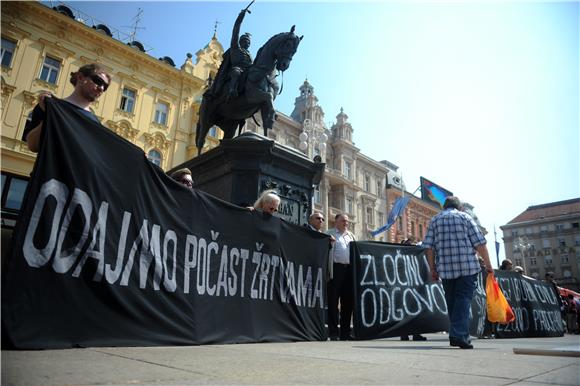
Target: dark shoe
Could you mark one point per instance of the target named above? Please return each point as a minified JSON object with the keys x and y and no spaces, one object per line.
{"x":333,"y":337}
{"x":454,"y":342}
{"x":405,"y":337}
{"x":419,"y":338}
{"x":346,"y":337}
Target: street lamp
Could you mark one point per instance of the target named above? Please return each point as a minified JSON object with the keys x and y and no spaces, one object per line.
{"x":523,"y":245}
{"x":314,"y":134}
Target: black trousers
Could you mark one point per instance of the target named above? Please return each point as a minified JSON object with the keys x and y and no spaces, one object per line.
{"x":340,"y":288}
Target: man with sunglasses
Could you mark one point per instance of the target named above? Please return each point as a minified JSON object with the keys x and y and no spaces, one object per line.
{"x":90,"y":81}
{"x":315,"y":221}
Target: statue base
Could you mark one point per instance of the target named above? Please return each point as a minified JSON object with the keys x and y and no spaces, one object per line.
{"x":239,"y":169}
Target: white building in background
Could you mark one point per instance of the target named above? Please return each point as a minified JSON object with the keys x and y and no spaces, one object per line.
{"x":353,"y":183}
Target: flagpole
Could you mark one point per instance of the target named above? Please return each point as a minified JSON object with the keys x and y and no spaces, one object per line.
{"x":496,"y":248}
{"x":404,"y":214}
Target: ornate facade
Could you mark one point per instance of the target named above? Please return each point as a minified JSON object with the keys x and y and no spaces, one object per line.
{"x":353,"y":183}
{"x":150,"y":102}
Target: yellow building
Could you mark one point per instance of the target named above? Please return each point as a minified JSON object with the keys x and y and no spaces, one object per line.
{"x":150,"y":102}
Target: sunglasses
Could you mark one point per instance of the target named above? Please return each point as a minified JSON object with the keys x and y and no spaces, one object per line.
{"x":319,"y":218}
{"x":99,"y":81}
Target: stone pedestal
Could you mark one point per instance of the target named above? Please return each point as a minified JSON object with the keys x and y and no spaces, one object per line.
{"x":241,"y":168}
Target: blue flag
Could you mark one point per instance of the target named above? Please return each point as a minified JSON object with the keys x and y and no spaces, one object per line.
{"x":398,"y":206}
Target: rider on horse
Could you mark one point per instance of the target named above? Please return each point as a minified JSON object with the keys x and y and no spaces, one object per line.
{"x":242,"y":88}
{"x":236,"y":60}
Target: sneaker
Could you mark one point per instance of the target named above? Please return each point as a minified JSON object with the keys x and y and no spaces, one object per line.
{"x":419,"y":338}
{"x":405,"y":337}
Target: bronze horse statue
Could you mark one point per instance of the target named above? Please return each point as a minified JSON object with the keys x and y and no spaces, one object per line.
{"x":258,"y":91}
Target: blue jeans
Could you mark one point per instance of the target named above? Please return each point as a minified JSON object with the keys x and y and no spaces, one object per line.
{"x":458,"y":295}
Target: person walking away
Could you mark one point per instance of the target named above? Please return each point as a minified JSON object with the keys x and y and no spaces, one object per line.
{"x":451,"y":243}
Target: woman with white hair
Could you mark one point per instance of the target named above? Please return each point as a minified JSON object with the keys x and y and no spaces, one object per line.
{"x":268,"y":202}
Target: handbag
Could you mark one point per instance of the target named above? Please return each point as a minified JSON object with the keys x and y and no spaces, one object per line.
{"x":498,"y":308}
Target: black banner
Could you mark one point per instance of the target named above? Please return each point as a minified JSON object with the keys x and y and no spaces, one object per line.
{"x":478,"y":312}
{"x":112,"y":252}
{"x":535,"y":305}
{"x":394,"y":294}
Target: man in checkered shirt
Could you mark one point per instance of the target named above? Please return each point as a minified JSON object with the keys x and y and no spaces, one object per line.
{"x":451,"y":242}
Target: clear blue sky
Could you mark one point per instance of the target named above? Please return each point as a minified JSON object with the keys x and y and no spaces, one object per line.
{"x":481,"y":98}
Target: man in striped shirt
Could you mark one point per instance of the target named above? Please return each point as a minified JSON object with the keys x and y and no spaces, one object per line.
{"x":451,"y":244}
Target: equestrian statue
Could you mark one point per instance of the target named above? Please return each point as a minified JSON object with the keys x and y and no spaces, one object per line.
{"x":242,"y":87}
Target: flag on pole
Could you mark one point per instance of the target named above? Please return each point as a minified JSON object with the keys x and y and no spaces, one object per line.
{"x":398,"y":206}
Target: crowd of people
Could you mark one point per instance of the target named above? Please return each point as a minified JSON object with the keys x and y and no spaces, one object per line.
{"x":455,"y":247}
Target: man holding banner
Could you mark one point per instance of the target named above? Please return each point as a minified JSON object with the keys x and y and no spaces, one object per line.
{"x":90,"y":82}
{"x":451,"y":242}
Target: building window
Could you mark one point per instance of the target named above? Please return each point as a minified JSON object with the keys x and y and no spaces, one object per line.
{"x":128,"y":100}
{"x":528,"y":231}
{"x":349,"y":207}
{"x":564,"y":259}
{"x":317,"y":151}
{"x":50,"y":70}
{"x":412,"y":227}
{"x":533,"y":261}
{"x":577,"y":241}
{"x":544,"y":229}
{"x":518,"y":261}
{"x":381,"y":218}
{"x":514,"y":233}
{"x":367,"y":182}
{"x":13,"y":189}
{"x":546,"y":243}
{"x":317,"y":195}
{"x":8,"y":48}
{"x":575,"y":225}
{"x":370,"y":216}
{"x":421,"y":231}
{"x":161,"y":112}
{"x":154,"y":156}
{"x":379,"y":187}
{"x":213,"y":132}
{"x":548,"y":260}
{"x":547,"y":251}
{"x":567,"y":274}
{"x":559,"y":227}
{"x":400,"y":224}
{"x":347,"y":169}
{"x":561,"y":242}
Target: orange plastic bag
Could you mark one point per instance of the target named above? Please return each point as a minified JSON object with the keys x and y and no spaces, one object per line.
{"x":498,"y":309}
